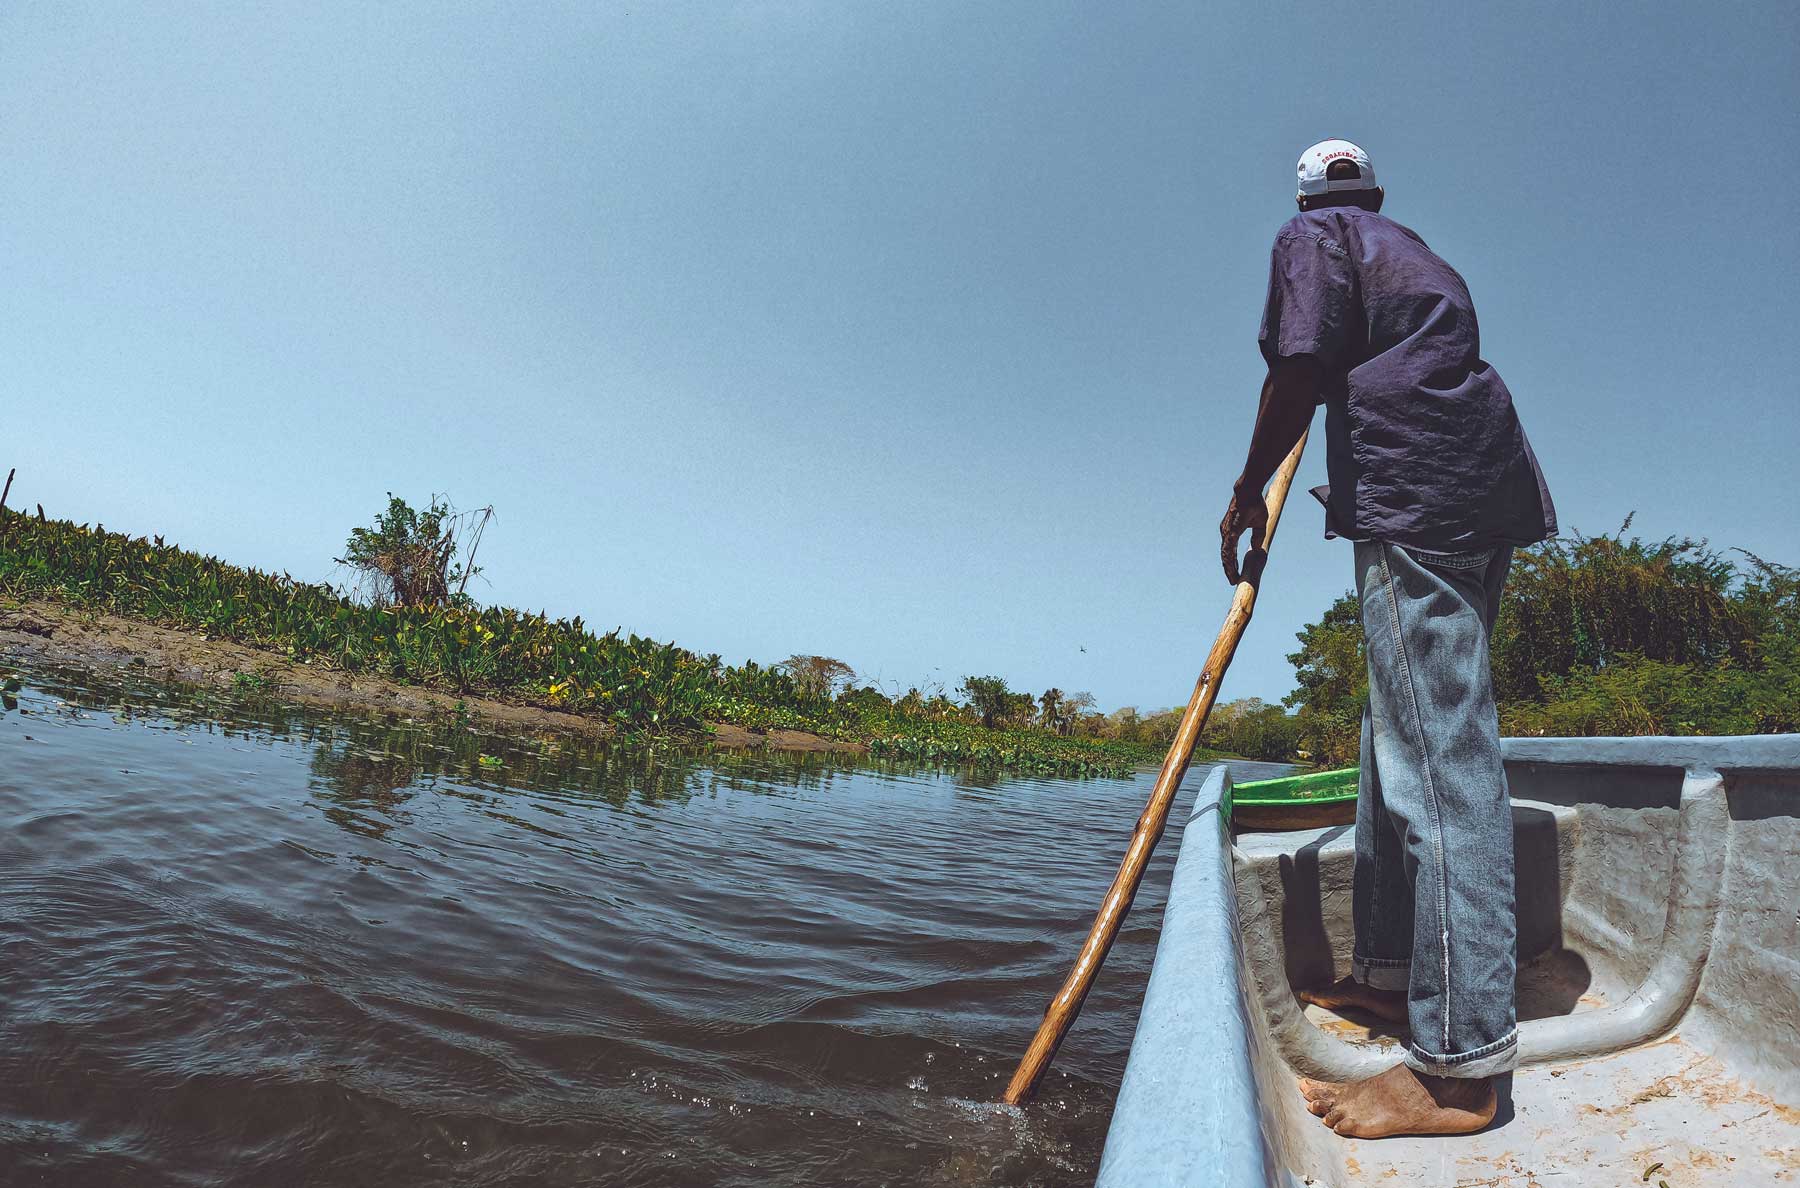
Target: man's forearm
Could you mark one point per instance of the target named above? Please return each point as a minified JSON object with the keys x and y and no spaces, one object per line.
{"x":1289,"y":395}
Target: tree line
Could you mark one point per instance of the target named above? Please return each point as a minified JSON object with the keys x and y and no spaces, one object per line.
{"x":1596,"y":635}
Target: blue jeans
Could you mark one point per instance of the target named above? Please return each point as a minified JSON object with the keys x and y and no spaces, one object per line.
{"x":1433,"y":892}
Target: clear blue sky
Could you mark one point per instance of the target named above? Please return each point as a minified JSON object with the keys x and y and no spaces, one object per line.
{"x":922,"y":335}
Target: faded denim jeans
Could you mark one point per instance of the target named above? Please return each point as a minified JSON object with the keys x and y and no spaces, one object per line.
{"x":1433,"y":891}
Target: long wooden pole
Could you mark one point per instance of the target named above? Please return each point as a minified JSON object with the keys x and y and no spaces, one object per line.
{"x":1060,"y":1015}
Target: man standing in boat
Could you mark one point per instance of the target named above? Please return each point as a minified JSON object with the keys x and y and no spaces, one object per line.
{"x":1434,"y":482}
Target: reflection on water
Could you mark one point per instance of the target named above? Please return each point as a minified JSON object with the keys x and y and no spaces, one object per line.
{"x":365,"y":788}
{"x":243,"y":943}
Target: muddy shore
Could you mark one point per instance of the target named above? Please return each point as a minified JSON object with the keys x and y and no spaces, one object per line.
{"x":51,"y":633}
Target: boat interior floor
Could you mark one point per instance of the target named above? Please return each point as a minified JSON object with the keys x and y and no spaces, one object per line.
{"x":1603,"y":1121}
{"x":1658,"y":990}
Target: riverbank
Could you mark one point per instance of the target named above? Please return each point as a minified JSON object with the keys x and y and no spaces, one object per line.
{"x":84,"y":597}
{"x":46,"y":632}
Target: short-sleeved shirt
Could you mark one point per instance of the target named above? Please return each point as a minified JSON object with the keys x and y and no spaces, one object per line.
{"x":1422,"y":445}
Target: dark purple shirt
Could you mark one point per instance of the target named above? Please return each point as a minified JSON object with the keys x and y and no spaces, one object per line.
{"x":1422,"y":445}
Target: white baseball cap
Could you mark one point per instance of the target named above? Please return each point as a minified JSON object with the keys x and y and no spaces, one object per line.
{"x":1320,"y":157}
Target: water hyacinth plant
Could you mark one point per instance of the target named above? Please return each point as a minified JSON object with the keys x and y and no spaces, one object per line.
{"x":636,"y":684}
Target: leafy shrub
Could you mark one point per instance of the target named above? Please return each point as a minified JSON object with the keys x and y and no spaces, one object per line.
{"x":1599,"y":635}
{"x":995,"y":704}
{"x":413,"y":558}
{"x":1331,"y":669}
{"x":1581,"y":604}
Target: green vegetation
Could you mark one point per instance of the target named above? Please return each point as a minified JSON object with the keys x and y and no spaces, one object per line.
{"x":1252,"y":727}
{"x":997,"y":705}
{"x":1331,"y":671}
{"x":417,"y":629}
{"x":1604,"y":636}
{"x":414,"y":558}
{"x":1596,"y":635}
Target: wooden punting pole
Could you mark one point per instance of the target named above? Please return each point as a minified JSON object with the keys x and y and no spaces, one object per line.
{"x":1060,"y":1015}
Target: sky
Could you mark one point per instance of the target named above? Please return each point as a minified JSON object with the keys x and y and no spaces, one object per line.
{"x":919,"y":335}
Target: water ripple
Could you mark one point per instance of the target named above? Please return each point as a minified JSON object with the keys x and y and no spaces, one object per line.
{"x":264,"y":946}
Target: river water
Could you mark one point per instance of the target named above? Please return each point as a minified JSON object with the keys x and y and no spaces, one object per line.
{"x":249,"y":945}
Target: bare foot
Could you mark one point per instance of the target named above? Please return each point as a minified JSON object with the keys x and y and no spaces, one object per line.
{"x":1384,"y":1004}
{"x":1401,"y":1101}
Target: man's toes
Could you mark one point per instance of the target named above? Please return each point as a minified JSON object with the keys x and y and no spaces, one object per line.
{"x":1324,"y":1091}
{"x":1356,"y":1124}
{"x":1318,"y":1108}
